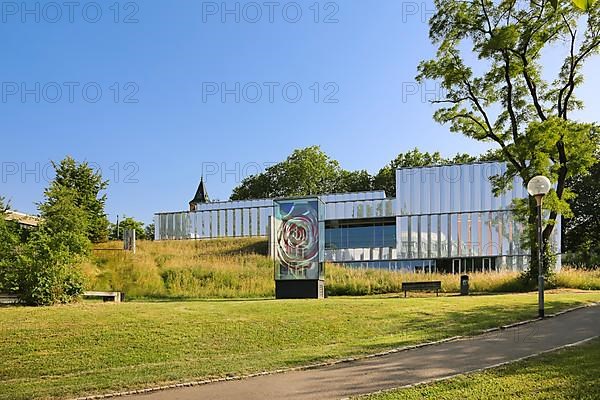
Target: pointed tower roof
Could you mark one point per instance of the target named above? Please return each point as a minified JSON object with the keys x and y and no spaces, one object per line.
{"x":201,"y":194}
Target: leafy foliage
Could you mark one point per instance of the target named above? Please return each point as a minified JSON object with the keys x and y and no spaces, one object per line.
{"x":128,"y":223}
{"x":4,"y":205}
{"x":45,"y":269}
{"x":310,"y":171}
{"x":353,"y":181}
{"x":149,"y":232}
{"x":509,"y":103}
{"x":582,"y":230}
{"x":48,"y":268}
{"x":307,"y":171}
{"x":386,"y":177}
{"x":49,"y":271}
{"x":9,"y":242}
{"x":85,"y":186}
{"x":584,"y":5}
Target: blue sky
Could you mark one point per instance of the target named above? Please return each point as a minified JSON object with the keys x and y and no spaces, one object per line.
{"x":160,"y":120}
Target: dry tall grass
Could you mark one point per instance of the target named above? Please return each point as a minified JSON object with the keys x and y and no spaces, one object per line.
{"x":223,"y":268}
{"x":577,"y":279}
{"x":229,"y":268}
{"x":353,"y":282}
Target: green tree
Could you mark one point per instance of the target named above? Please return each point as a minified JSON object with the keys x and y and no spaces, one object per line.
{"x":307,"y":171}
{"x":9,"y":243}
{"x":63,"y":218}
{"x":49,"y":265}
{"x":462,"y":158}
{"x":87,"y":185}
{"x":149,"y":231}
{"x":50,"y":271}
{"x":509,"y":103}
{"x":582,"y":231}
{"x":125,"y":224}
{"x":491,"y":155}
{"x":4,"y":205}
{"x":353,"y":181}
{"x":257,"y":186}
{"x":386,"y":177}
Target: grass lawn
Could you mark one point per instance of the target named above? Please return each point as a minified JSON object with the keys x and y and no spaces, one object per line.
{"x":63,"y":351}
{"x":566,"y":374}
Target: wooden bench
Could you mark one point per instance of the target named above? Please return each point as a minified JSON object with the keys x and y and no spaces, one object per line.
{"x":422,"y":286}
{"x":117,"y":297}
{"x":8,"y":298}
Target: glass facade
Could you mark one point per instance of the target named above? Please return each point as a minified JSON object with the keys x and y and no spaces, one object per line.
{"x":357,"y":209}
{"x":215,"y":220}
{"x":446,"y":265}
{"x":450,"y":214}
{"x":444,"y":218}
{"x":412,"y":266}
{"x":474,"y":234}
{"x":349,"y":234}
{"x":453,"y":189}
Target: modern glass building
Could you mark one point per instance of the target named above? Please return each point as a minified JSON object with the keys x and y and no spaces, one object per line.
{"x":442,"y":218}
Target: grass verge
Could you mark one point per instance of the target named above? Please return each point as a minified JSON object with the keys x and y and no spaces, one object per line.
{"x":565,"y":374}
{"x":64,"y":351}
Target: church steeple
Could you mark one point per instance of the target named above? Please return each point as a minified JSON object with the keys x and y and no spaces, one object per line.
{"x":200,"y":197}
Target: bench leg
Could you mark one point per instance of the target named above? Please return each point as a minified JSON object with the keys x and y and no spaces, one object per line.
{"x":405,"y":294}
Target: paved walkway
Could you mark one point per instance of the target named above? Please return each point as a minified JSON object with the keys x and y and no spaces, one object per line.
{"x":401,"y":368}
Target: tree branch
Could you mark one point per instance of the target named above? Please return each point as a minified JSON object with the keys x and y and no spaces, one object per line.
{"x":509,"y":100}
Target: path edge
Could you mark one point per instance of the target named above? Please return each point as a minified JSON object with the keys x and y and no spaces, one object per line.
{"x":362,"y":357}
{"x":477,"y":370}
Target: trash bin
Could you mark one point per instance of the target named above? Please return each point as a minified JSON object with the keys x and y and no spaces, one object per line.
{"x":464,"y":285}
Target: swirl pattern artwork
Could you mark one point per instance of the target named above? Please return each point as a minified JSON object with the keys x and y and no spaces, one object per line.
{"x":297,"y":239}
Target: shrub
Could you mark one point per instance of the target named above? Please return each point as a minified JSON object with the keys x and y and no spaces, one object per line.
{"x":47,"y":267}
{"x":9,"y":242}
{"x":587,"y":256}
{"x":49,"y":271}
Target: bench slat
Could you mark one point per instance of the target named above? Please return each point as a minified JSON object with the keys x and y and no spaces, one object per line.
{"x":430,"y":285}
{"x":433,"y":284}
{"x":8,"y":298}
{"x":115,"y":296}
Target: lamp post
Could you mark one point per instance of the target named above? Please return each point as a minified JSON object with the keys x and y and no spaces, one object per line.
{"x":538,"y":187}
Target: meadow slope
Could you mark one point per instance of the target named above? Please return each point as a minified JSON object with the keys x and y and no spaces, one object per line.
{"x":239,"y":268}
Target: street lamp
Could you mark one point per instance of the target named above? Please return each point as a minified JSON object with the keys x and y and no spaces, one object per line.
{"x":538,"y":187}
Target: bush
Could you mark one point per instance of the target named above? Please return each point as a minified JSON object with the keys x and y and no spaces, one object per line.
{"x":587,"y":256}
{"x":48,"y":270}
{"x":45,"y":269}
{"x":9,"y":242}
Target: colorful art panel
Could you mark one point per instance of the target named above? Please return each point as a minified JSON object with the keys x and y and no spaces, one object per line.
{"x":298,"y":248}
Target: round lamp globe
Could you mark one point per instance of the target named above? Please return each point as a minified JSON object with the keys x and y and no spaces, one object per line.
{"x":538,"y":186}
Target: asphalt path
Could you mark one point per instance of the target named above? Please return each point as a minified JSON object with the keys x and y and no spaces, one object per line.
{"x":401,"y":368}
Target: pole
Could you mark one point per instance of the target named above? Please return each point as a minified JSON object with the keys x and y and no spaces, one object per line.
{"x":540,"y":259}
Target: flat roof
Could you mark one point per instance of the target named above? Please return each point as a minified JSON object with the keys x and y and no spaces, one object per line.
{"x":22,"y":218}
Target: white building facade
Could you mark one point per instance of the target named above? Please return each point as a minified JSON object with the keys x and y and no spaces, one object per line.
{"x":443,"y":218}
